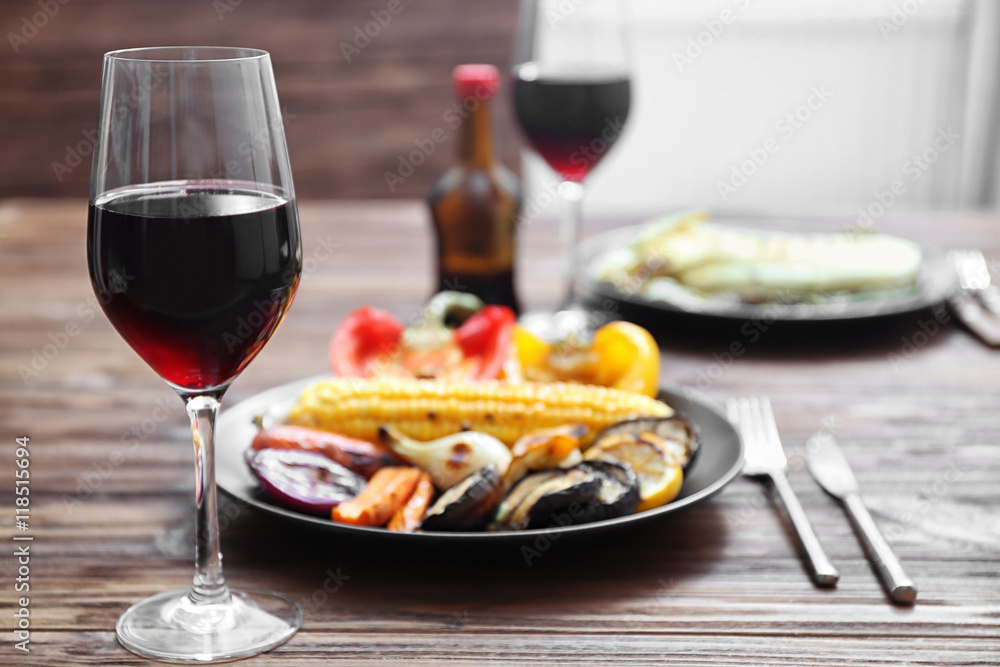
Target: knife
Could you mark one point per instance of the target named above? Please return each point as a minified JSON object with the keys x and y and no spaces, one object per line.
{"x":829,"y":467}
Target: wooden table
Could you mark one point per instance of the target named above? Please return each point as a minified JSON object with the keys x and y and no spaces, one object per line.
{"x":111,"y":513}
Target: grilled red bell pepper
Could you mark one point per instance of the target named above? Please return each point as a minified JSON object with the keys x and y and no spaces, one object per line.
{"x":373,"y":343}
{"x":487,"y":336}
{"x":365,"y":339}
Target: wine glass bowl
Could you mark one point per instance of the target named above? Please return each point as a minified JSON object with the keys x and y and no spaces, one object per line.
{"x":193,"y":243}
{"x":571,"y":116}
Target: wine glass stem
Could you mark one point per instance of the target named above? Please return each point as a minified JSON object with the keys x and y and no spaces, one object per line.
{"x":209,"y":585}
{"x":572,"y":193}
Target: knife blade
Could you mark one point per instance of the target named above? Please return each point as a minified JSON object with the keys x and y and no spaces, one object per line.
{"x":828,"y":466}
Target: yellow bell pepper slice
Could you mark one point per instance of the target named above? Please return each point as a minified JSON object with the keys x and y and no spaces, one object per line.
{"x":628,"y":358}
{"x":622,"y":355}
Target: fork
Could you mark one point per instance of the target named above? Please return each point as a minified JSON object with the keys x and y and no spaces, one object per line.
{"x":974,"y":277}
{"x":764,"y":457}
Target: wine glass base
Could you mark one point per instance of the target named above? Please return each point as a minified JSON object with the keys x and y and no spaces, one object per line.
{"x":170,"y":626}
{"x":553,"y":326}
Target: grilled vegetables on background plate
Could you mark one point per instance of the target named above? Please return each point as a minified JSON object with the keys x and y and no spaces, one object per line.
{"x":688,"y":251}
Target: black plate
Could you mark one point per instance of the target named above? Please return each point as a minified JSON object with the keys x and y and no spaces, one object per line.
{"x":936,"y":281}
{"x":719,"y":461}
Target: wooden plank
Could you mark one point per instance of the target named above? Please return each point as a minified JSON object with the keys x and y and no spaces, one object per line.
{"x":347,"y":122}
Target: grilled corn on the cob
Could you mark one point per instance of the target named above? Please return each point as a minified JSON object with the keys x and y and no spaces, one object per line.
{"x":426,"y":410}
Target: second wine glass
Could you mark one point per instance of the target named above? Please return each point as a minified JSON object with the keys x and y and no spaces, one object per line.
{"x":572,"y":93}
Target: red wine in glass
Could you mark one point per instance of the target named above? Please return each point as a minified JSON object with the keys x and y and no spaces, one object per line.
{"x":195,"y":276}
{"x":572,"y":119}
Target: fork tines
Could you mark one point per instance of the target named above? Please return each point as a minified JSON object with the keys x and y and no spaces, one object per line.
{"x":970,"y":265}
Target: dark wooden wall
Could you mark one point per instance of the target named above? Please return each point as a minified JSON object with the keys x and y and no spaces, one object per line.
{"x":346,"y":122}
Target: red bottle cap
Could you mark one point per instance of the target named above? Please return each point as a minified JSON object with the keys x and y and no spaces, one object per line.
{"x":478,"y":81}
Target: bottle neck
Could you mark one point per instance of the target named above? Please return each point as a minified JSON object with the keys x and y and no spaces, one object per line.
{"x":476,"y":140}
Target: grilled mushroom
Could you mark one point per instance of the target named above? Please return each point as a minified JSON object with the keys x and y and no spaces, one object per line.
{"x":618,"y":494}
{"x":464,"y":505}
{"x":681,"y":437}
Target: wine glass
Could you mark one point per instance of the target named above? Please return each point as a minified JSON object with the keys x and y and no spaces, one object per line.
{"x":194,"y":250}
{"x":572,"y":94}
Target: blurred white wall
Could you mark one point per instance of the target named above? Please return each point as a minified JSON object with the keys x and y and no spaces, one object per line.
{"x":825,"y":106}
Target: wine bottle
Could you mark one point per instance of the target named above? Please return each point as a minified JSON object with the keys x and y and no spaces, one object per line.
{"x":475,"y":204}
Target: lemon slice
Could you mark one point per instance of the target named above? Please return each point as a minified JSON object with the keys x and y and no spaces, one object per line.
{"x":660,"y":475}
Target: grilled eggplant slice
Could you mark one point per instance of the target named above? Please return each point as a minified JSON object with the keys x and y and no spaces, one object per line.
{"x":521,"y":490}
{"x":618,"y":494}
{"x":466,"y":504}
{"x":681,"y":437}
{"x":551,"y":497}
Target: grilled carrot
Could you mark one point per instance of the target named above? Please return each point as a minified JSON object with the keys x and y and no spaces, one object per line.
{"x":384,"y":495}
{"x":409,"y":516}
